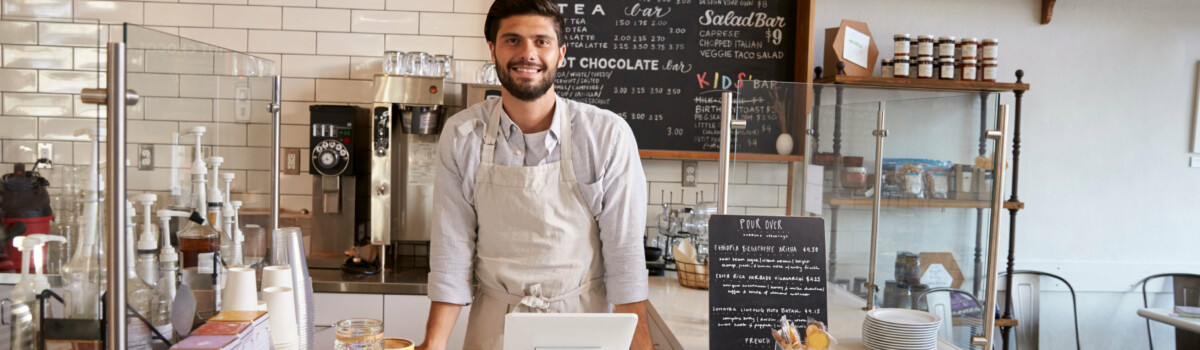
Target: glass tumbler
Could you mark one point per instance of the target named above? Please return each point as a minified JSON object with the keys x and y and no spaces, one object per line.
{"x":417,"y":63}
{"x":487,"y":74}
{"x":444,"y":66}
{"x":392,"y":62}
{"x":358,"y":334}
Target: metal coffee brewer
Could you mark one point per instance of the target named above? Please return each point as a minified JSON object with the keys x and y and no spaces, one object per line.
{"x":406,"y":120}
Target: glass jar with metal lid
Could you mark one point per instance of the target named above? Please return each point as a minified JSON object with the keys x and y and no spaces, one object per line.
{"x":991,"y":47}
{"x":968,"y":47}
{"x":966,"y":69}
{"x":989,"y":70}
{"x":925,"y":67}
{"x":358,"y":334}
{"x":946,"y":47}
{"x":900,"y":67}
{"x":925,"y":45}
{"x":900,"y":44}
{"x":946,"y":69}
{"x":886,"y":68}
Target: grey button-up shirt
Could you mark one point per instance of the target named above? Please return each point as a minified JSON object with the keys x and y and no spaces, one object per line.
{"x":610,"y":177}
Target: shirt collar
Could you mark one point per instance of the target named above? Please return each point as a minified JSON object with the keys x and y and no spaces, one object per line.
{"x":507,"y":127}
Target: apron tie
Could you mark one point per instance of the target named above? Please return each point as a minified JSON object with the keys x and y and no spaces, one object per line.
{"x":535,"y":301}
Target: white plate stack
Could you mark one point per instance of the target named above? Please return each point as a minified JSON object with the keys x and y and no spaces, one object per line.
{"x":900,"y":329}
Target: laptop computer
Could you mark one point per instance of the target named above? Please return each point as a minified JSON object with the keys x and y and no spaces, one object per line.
{"x":595,"y":331}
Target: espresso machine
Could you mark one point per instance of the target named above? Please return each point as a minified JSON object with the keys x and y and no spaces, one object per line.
{"x":340,"y":142}
{"x":406,"y":120}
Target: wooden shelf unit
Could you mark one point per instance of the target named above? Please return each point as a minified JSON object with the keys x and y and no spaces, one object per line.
{"x":924,"y":84}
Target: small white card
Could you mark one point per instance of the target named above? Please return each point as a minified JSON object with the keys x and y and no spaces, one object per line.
{"x":937,"y":277}
{"x":813,"y":190}
{"x":856,"y":47}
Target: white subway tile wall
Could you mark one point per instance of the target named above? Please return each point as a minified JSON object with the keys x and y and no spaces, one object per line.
{"x":18,"y":80}
{"x":249,"y":17}
{"x":179,"y":15}
{"x":352,"y":4}
{"x":387,"y":22}
{"x":351,"y":44}
{"x":312,"y":19}
{"x":327,"y":51}
{"x":233,"y":39}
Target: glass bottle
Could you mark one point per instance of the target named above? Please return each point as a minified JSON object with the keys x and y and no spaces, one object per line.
{"x":198,"y":239}
{"x":139,"y":295}
{"x":82,"y":274}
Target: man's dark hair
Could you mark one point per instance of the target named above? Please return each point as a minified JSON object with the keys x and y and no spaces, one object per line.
{"x":502,"y":9}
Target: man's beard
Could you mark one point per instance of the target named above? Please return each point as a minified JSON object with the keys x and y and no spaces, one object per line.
{"x":525,"y":92}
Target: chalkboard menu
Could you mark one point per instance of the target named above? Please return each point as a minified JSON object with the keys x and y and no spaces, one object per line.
{"x":762,"y":268}
{"x":651,"y":61}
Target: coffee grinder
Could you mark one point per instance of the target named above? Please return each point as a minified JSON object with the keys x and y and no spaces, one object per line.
{"x":340,"y":142}
{"x":406,"y":120}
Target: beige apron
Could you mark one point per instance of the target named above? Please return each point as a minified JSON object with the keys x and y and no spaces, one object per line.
{"x":538,"y":246}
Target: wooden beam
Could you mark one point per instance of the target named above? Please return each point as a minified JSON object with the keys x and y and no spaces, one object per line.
{"x":1047,"y":10}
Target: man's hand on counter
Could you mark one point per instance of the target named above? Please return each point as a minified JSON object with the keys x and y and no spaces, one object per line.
{"x":641,"y":336}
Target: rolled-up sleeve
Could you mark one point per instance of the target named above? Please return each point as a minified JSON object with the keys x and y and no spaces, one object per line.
{"x":452,"y":242}
{"x":622,"y":221}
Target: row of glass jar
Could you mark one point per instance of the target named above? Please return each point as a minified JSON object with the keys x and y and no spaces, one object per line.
{"x":944,"y":69}
{"x":418,"y":63}
{"x":945,"y":47}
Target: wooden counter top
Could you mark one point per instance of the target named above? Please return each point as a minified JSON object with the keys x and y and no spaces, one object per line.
{"x":684,"y":312}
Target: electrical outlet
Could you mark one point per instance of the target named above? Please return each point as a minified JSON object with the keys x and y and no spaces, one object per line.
{"x":145,"y":157}
{"x":291,"y":161}
{"x":45,"y":151}
{"x":1196,"y":162}
{"x":691,"y":170}
{"x":242,"y":101}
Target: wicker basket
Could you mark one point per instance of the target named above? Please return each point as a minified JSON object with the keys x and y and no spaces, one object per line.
{"x":692,"y":275}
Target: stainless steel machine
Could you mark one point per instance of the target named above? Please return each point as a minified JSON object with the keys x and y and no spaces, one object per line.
{"x":340,"y":143}
{"x":406,"y":119}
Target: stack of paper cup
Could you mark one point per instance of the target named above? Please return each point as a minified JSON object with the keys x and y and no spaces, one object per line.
{"x":281,"y":313}
{"x":277,"y":276}
{"x":239,"y":293}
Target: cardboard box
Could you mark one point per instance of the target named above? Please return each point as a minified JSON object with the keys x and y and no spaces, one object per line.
{"x":835,"y":48}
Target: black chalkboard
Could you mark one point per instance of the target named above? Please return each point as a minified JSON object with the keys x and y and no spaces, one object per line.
{"x":762,"y":268}
{"x":651,"y":60}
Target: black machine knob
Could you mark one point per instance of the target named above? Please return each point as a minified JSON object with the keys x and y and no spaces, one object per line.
{"x":330,"y":158}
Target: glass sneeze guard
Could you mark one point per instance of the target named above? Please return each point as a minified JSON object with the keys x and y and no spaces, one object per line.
{"x":925,"y":223}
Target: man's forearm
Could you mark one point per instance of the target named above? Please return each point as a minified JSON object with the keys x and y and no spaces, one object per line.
{"x":641,"y":336}
{"x":442,"y":317}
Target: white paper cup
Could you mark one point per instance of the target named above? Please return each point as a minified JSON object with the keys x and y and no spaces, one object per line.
{"x":281,"y":313}
{"x":239,"y":293}
{"x":277,"y":276}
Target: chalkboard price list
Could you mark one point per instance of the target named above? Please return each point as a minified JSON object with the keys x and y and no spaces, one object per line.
{"x":764,"y":268}
{"x":651,"y":60}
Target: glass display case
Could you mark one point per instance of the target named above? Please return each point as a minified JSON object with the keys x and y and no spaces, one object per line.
{"x":905,"y":181}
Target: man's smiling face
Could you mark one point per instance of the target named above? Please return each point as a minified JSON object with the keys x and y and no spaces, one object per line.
{"x":527,"y":55}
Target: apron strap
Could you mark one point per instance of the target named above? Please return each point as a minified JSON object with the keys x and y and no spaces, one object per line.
{"x":564,"y":140}
{"x":534,"y":301}
{"x":489,"y":136}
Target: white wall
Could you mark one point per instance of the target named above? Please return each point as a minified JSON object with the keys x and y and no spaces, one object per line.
{"x":1105,"y":143}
